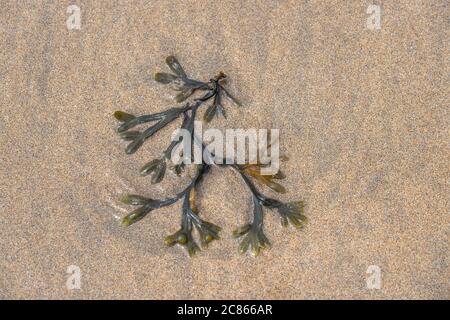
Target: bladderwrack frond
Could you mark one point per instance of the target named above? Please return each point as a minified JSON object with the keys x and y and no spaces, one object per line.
{"x":136,"y":215}
{"x":207,"y":232}
{"x":254,"y":241}
{"x":129,"y":135}
{"x":123,"y":116}
{"x":175,"y":66}
{"x":184,"y":238}
{"x":242,"y":230}
{"x":252,"y":235}
{"x":135,"y":200}
{"x":292,"y":212}
{"x":156,"y":167}
{"x":164,"y":78}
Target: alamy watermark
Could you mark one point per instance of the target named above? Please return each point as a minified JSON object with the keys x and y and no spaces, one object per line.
{"x":374,"y":20}
{"x":374,"y":279}
{"x":229,"y":147}
{"x":73,"y":22}
{"x":74,"y":279}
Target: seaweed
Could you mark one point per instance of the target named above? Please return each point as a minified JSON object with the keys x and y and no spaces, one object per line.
{"x":252,"y":233}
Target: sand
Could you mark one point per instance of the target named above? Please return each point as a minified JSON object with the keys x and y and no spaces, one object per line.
{"x":363,"y":116}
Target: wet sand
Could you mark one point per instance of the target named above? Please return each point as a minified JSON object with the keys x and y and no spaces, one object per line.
{"x":363,"y":116}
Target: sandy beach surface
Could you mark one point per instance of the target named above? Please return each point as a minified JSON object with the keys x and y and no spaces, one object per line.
{"x":362,"y":113}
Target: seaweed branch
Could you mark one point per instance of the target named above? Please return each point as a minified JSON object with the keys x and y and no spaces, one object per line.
{"x":252,"y":233}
